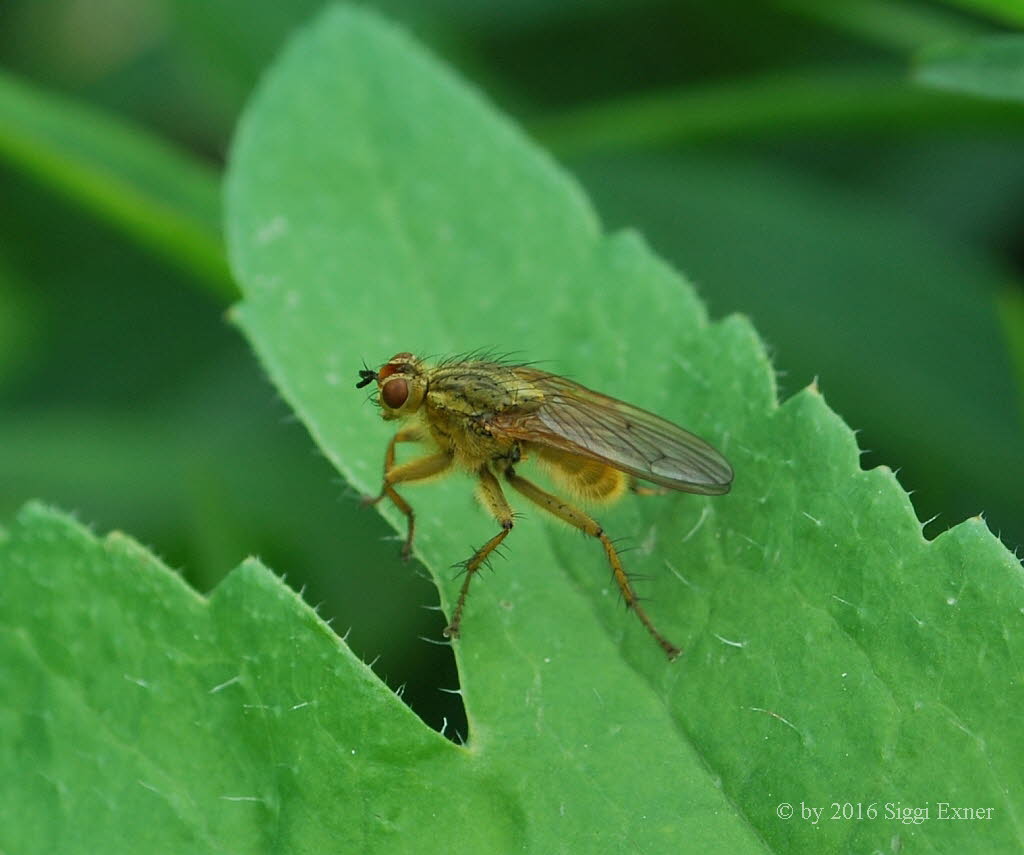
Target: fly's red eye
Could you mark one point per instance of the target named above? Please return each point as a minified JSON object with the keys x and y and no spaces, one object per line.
{"x":392,"y":368}
{"x":395,"y":392}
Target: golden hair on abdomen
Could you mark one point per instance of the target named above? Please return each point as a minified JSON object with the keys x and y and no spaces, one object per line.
{"x":587,"y":479}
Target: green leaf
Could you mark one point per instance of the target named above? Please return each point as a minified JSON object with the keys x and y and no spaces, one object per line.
{"x":992,"y":67}
{"x":376,"y":204}
{"x":157,"y":195}
{"x":139,"y":717}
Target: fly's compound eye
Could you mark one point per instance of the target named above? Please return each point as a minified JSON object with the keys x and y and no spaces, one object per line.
{"x":395,"y":393}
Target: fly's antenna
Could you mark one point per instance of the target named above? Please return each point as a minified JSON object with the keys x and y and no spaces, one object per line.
{"x":366,"y":377}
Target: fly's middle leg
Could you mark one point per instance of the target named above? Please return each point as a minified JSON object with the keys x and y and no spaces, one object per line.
{"x":585,"y":523}
{"x":489,"y":491}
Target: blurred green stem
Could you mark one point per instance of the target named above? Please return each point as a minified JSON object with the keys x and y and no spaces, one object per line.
{"x":902,"y":27}
{"x":1010,"y":306}
{"x":1005,"y":11}
{"x":157,"y":195}
{"x":808,"y":100}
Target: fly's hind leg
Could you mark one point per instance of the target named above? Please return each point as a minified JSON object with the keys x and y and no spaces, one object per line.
{"x":638,"y":489}
{"x":489,"y":491}
{"x":415,"y":470}
{"x":585,"y":523}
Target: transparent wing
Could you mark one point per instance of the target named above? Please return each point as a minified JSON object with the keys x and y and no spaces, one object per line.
{"x":580,"y":421}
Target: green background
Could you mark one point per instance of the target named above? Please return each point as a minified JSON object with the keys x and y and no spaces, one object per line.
{"x":782,"y":157}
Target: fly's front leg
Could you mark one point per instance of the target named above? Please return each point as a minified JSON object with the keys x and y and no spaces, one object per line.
{"x":412,"y":433}
{"x":489,"y":491}
{"x":585,"y":523}
{"x":415,"y":470}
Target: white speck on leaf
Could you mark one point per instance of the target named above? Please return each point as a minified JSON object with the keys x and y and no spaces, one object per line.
{"x":271,"y":231}
{"x":649,"y":542}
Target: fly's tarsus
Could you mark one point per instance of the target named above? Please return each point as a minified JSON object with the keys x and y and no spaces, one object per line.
{"x":473,"y":565}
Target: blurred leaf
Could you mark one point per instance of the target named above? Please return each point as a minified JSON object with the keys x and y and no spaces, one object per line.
{"x":895,"y":318}
{"x":992,"y":67}
{"x":966,"y":186}
{"x":375,"y":204}
{"x":158,"y":196}
{"x":16,"y":321}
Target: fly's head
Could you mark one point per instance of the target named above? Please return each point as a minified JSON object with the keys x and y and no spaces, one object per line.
{"x":401,"y":385}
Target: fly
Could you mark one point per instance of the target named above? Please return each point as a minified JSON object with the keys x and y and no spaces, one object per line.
{"x":485,"y":417}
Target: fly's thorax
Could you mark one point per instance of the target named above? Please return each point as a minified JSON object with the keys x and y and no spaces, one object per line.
{"x":461,"y":403}
{"x":479,"y":390}
{"x":467,"y":439}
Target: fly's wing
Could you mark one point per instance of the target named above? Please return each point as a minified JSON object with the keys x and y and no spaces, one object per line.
{"x":579,"y":421}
